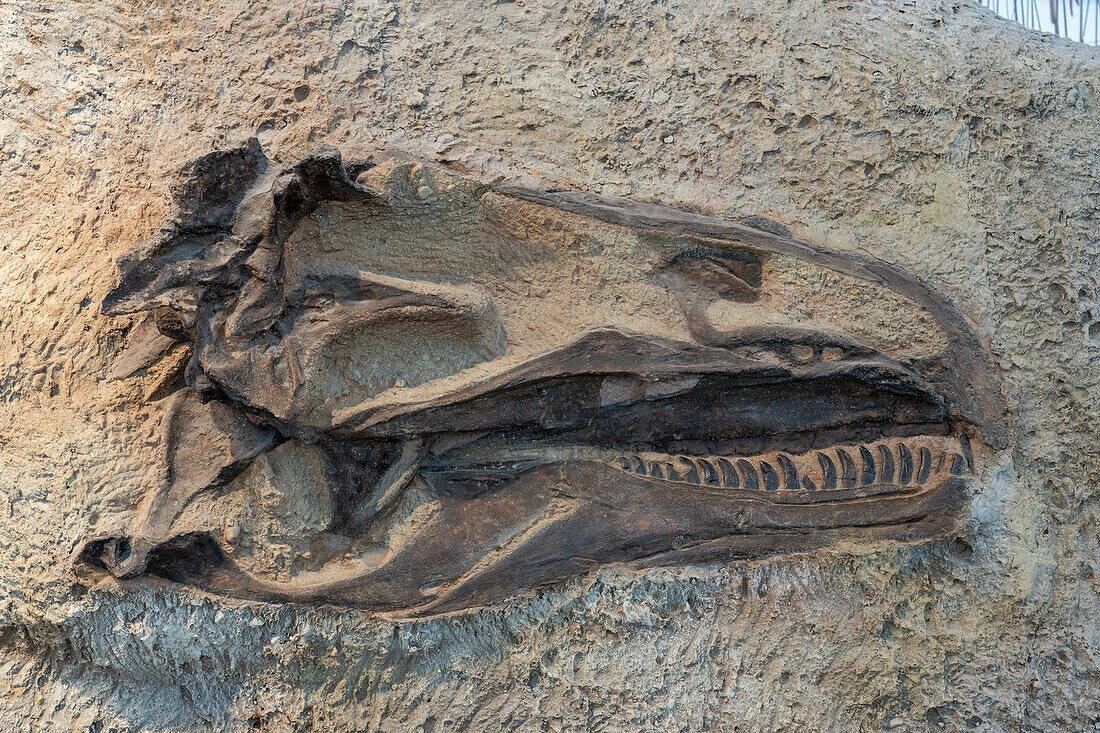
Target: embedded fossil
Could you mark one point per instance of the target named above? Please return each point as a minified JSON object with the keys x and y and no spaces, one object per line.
{"x":504,"y":387}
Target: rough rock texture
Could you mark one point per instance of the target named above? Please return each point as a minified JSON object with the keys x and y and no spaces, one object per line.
{"x":931,"y":134}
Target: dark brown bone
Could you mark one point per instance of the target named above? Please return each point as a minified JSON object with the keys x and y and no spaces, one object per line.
{"x":579,"y":516}
{"x":205,"y":445}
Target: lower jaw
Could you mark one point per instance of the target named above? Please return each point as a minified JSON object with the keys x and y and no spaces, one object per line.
{"x":677,"y":516}
{"x":670,"y":526}
{"x":548,"y":519}
{"x":642,"y":521}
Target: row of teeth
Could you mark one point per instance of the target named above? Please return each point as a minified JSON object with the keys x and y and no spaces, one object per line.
{"x":891,"y":462}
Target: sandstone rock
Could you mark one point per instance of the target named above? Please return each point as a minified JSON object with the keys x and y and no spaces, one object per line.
{"x":933,"y":136}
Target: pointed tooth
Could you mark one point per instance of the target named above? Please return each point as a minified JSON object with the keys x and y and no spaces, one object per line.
{"x":748,"y":475}
{"x":808,"y":484}
{"x":729,"y":474}
{"x":905,"y":475}
{"x":771,"y":478}
{"x":958,"y":466}
{"x":639,"y":466}
{"x":671,"y":474}
{"x":925,"y":465}
{"x":710,"y":474}
{"x":886,"y":464}
{"x":940,"y":462}
{"x":828,"y":470}
{"x":968,"y":453}
{"x":790,"y":473}
{"x":625,"y":464}
{"x":847,"y":469}
{"x":654,"y":470}
{"x":691,"y":475}
{"x":868,"y":476}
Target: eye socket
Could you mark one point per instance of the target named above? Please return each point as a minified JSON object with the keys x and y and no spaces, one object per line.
{"x":730,"y":275}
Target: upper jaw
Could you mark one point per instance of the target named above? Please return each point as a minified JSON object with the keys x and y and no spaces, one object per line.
{"x":592,"y":389}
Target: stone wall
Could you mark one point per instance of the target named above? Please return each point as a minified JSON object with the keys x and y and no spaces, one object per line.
{"x":931,"y":134}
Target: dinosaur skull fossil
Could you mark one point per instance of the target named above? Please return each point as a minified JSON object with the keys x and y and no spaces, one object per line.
{"x":458,"y":390}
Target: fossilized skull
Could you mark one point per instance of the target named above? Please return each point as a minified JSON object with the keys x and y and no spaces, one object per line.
{"x":427,"y":392}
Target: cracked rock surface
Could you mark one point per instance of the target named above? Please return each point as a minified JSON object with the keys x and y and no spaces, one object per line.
{"x":930,"y":134}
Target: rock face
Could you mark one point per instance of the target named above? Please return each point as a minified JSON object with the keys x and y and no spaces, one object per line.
{"x":951,"y":156}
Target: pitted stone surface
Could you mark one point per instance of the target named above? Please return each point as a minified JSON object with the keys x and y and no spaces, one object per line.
{"x":930,"y":134}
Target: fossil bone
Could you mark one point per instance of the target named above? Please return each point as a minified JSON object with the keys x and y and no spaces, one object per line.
{"x":562,"y":380}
